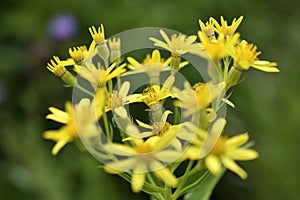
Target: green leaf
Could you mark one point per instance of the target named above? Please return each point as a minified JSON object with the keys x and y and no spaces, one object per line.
{"x":205,"y":187}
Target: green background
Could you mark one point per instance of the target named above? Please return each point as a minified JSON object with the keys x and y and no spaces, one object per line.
{"x":267,"y":105}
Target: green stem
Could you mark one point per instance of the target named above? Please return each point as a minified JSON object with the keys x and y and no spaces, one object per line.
{"x":152,"y":182}
{"x":106,"y":127}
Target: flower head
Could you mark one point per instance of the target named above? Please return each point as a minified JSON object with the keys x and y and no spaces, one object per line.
{"x":63,"y":26}
{"x":177,"y":44}
{"x":143,"y":157}
{"x":84,"y":122}
{"x":97,"y":35}
{"x":218,"y":48}
{"x":224,"y":28}
{"x":208,"y":28}
{"x":155,"y":93}
{"x":98,"y":76}
{"x":58,"y":67}
{"x":192,"y":100}
{"x":78,"y":54}
{"x":152,"y":65}
{"x":115,"y":101}
{"x":245,"y":56}
{"x":218,"y":149}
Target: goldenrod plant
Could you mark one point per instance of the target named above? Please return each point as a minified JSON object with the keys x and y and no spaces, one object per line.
{"x":149,"y":123}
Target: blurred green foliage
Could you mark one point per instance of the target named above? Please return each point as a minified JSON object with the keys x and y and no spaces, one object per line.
{"x":267,"y":105}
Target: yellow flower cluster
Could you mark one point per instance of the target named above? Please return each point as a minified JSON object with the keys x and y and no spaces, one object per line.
{"x":182,"y":122}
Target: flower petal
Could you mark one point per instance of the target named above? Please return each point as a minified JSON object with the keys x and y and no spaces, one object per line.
{"x":124,"y":165}
{"x":242,"y":154}
{"x":144,"y":125}
{"x":124,"y":89}
{"x":231,"y":165}
{"x":58,"y":146}
{"x":137,"y":181}
{"x":213,"y":163}
{"x":58,"y":115}
{"x":237,"y":141}
{"x":164,"y":174}
{"x":156,"y":56}
{"x":167,"y":155}
{"x":119,"y":149}
{"x":165,"y":36}
{"x":133,"y":63}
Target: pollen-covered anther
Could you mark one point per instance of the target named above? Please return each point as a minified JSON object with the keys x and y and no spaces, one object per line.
{"x":219,"y":148}
{"x":77,"y":53}
{"x":116,"y":100}
{"x":150,"y":95}
{"x":97,"y":35}
{"x":159,"y":128}
{"x":56,"y":68}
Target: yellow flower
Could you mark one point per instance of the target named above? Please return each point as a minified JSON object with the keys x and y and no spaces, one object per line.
{"x":97,"y":35}
{"x":245,"y":56}
{"x":84,"y":122}
{"x":78,"y":54}
{"x":177,"y":44}
{"x":155,"y":93}
{"x":217,"y":48}
{"x":98,"y":76}
{"x":192,"y":100}
{"x":227,"y":30}
{"x":116,"y":100}
{"x":58,"y":67}
{"x":218,"y":149}
{"x":152,"y":65}
{"x":143,"y":157}
{"x":208,"y":28}
{"x":115,"y":49}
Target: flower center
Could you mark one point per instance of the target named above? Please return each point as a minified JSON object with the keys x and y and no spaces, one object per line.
{"x":219,"y":147}
{"x":159,"y":128}
{"x":144,"y":152}
{"x":151,"y":96}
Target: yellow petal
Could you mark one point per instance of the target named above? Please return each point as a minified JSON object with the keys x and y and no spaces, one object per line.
{"x":133,"y":62}
{"x":156,"y":56}
{"x":58,"y":146}
{"x":165,"y":36}
{"x":192,"y":153}
{"x":167,"y":155}
{"x":124,"y":89}
{"x":119,"y":149}
{"x":110,"y":170}
{"x":265,"y":68}
{"x":144,"y":125}
{"x":212,"y":138}
{"x":163,"y":173}
{"x":137,"y":181}
{"x":231,"y":165}
{"x":58,"y":115}
{"x":213,"y":163}
{"x":136,"y":135}
{"x":237,"y":141}
{"x":121,"y":112}
{"x":167,"y":177}
{"x":165,"y":115}
{"x":125,"y":165}
{"x":242,"y":154}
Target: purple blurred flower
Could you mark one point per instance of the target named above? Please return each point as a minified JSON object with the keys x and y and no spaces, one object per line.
{"x":63,"y":26}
